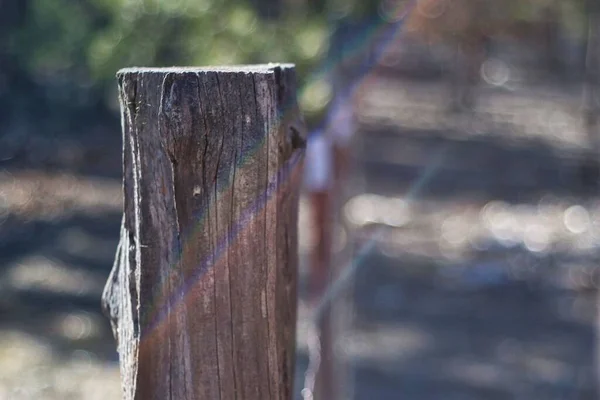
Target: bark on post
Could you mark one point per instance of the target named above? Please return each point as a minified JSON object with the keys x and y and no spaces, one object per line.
{"x":202,"y":296}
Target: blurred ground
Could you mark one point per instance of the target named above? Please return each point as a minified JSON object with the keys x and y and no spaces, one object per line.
{"x":58,"y":234}
{"x":481,"y":284}
{"x":482,"y":279}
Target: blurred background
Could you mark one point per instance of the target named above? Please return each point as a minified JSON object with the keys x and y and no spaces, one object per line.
{"x":468,"y":218}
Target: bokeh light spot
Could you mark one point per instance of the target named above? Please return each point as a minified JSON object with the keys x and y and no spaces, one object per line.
{"x":576,"y":219}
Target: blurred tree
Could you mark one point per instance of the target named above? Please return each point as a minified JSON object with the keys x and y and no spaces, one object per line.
{"x":268,"y":9}
{"x":469,"y":27}
{"x":12,"y":16}
{"x":590,"y":168}
{"x":591,"y":101}
{"x":58,"y":57}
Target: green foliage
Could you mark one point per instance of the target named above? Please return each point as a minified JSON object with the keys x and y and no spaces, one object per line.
{"x":74,"y":47}
{"x":63,"y":54}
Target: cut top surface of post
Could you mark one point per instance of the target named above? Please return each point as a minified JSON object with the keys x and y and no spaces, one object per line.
{"x":258,"y":68}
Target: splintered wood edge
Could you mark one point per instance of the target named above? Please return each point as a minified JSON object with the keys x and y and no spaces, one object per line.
{"x":258,"y":68}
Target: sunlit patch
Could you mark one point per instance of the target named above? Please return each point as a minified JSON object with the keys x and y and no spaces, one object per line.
{"x":547,"y":369}
{"x":242,"y":21}
{"x":45,"y":196}
{"x":490,"y":210}
{"x":362,"y":209}
{"x":576,"y":219}
{"x":77,"y":326}
{"x":455,"y":231}
{"x":83,"y":376}
{"x":559,"y":122}
{"x":80,"y":243}
{"x":585,"y":242}
{"x":548,"y":208}
{"x":389,"y":343}
{"x":305,"y":228}
{"x":395,"y":212}
{"x":306,"y":394}
{"x":541,"y":117}
{"x":38,"y":273}
{"x":501,"y":223}
{"x":16,"y":197}
{"x":7,"y":188}
{"x":536,"y":238}
{"x":476,"y":126}
{"x":310,"y":41}
{"x":594,"y":211}
{"x":315,"y":95}
{"x":371,"y":208}
{"x":495,"y":72}
{"x":4,"y":209}
{"x":451,"y":252}
{"x":476,"y":373}
{"x":478,"y":238}
{"x":19,"y":351}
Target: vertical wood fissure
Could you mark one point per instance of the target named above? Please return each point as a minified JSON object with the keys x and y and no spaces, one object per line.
{"x":217,"y":239}
{"x":266,"y":128}
{"x":212,"y":233}
{"x":229,"y":240}
{"x":235,"y":316}
{"x":171,"y":155}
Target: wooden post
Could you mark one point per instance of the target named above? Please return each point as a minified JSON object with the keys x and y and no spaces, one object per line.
{"x":202,"y":296}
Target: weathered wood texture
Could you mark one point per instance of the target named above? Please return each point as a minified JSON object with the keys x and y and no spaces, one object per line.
{"x":202,"y":296}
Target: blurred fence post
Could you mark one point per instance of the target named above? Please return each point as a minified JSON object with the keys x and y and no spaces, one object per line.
{"x":202,"y":296}
{"x":591,"y":75}
{"x":589,"y":171}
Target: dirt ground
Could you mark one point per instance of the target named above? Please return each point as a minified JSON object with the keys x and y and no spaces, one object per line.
{"x":479,"y":283}
{"x":482,"y":279}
